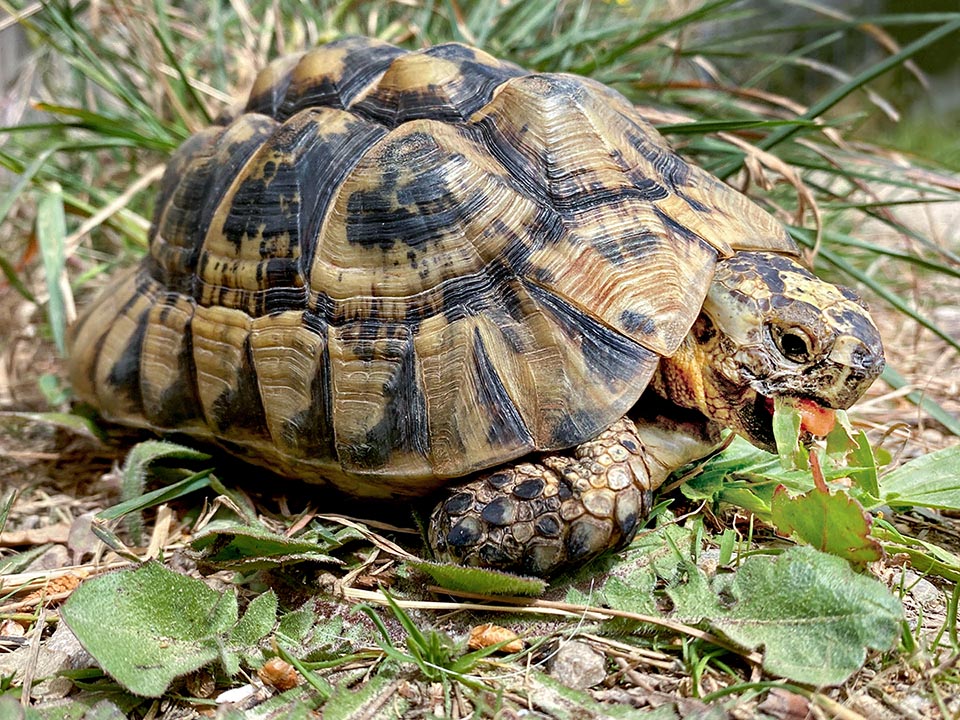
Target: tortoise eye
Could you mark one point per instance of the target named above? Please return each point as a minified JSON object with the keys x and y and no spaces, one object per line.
{"x":793,"y":343}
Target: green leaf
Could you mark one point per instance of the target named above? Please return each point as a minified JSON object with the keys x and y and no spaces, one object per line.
{"x":190,"y":484}
{"x":148,"y":626}
{"x":257,"y":621}
{"x":786,"y":432}
{"x":867,"y":474}
{"x":347,"y":703}
{"x":134,"y":473}
{"x":812,"y":615}
{"x":244,"y":548}
{"x":480,"y":580}
{"x":105,"y":710}
{"x":633,"y":593}
{"x":296,"y":624}
{"x":51,"y":233}
{"x":72,"y":423}
{"x":832,"y":522}
{"x":925,"y":557}
{"x":931,"y":481}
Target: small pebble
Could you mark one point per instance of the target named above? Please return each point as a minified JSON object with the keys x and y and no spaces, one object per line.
{"x":578,"y":666}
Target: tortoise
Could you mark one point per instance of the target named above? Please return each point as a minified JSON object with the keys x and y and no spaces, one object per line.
{"x":396,"y":271}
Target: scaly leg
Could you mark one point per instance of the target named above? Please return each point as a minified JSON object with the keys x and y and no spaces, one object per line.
{"x":537,"y":518}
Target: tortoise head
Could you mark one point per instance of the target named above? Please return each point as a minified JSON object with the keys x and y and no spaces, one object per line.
{"x":769,"y":328}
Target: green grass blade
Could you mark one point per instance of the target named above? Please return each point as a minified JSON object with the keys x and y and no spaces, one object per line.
{"x":10,"y":273}
{"x":834,"y":237}
{"x":111,"y":126}
{"x":713,"y":126}
{"x":659,"y":30}
{"x":51,"y":233}
{"x":895,"y":380}
{"x":162,"y":33}
{"x":838,"y":94}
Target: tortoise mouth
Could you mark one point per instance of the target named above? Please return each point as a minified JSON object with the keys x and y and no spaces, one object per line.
{"x":756,"y":422}
{"x":756,"y":419}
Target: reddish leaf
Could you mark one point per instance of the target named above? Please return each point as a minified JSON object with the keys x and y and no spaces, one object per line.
{"x":832,"y":522}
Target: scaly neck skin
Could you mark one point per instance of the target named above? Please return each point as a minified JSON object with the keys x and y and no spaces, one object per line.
{"x":680,"y":378}
{"x":670,"y":416}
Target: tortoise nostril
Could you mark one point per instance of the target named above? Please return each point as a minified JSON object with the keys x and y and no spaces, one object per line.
{"x":857,"y":355}
{"x":866,"y":363}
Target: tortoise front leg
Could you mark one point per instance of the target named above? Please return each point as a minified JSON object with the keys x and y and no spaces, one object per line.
{"x":537,"y":518}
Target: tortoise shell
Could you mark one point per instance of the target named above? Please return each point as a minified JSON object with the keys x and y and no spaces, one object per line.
{"x":395,"y":268}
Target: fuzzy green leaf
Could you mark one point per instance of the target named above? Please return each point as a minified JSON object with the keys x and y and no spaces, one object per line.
{"x":148,"y":626}
{"x":786,"y":431}
{"x":347,"y":702}
{"x":244,"y":548}
{"x":72,"y":423}
{"x":134,"y":475}
{"x":257,"y":621}
{"x":867,"y":474}
{"x":480,"y":580}
{"x":812,"y":615}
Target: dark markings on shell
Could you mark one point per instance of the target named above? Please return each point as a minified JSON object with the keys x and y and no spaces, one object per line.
{"x":270,"y":99}
{"x":184,"y":184}
{"x":638,"y":322}
{"x":523,"y":173}
{"x":456,"y":101}
{"x":403,"y":427}
{"x":611,"y":356}
{"x":285,"y":207}
{"x":669,"y":166}
{"x":124,"y":375}
{"x":506,"y":424}
{"x":241,"y":408}
{"x":265,"y":208}
{"x":581,"y":198}
{"x":418,"y":212}
{"x":695,"y":204}
{"x":311,"y":431}
{"x":179,"y":402}
{"x":190,"y":197}
{"x":571,"y":430}
{"x":675,"y":227}
{"x":331,"y":158}
{"x":363,"y":62}
{"x":487,"y":291}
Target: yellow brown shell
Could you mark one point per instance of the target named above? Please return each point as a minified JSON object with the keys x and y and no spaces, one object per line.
{"x":396,"y":268}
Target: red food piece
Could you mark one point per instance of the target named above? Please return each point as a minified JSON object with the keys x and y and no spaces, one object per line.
{"x":814,"y":418}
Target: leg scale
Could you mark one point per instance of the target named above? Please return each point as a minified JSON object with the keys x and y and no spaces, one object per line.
{"x":538,"y":518}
